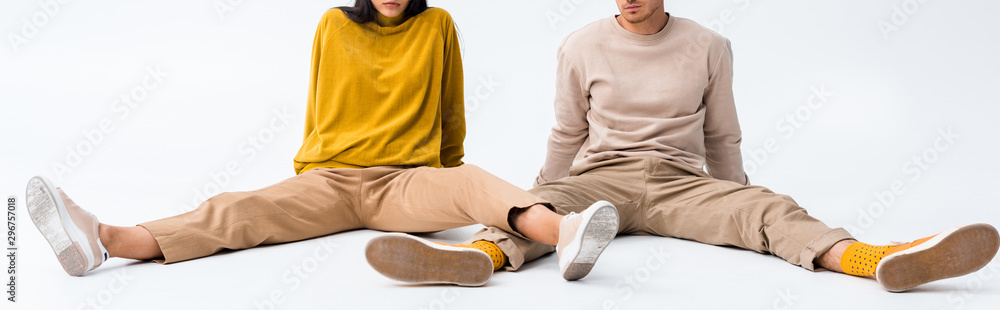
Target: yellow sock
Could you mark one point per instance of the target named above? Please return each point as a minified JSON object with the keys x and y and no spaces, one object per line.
{"x":499,"y":259}
{"x":860,"y":259}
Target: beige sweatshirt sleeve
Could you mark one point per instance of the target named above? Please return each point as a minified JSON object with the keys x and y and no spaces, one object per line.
{"x":722,"y":129}
{"x":571,"y":129}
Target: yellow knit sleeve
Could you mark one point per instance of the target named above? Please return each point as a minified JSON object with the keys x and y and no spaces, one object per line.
{"x":452,"y":100}
{"x":313,"y":77}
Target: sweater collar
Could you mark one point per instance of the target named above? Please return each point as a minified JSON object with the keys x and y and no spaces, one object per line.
{"x":642,"y":37}
{"x":385,"y":21}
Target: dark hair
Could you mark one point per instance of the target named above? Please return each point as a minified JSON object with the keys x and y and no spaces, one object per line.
{"x":364,"y":11}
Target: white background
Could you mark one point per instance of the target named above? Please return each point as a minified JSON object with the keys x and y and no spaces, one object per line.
{"x":227,"y":72}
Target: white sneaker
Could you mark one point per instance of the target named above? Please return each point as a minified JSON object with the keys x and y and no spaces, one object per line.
{"x":71,"y":231}
{"x":582,"y":238}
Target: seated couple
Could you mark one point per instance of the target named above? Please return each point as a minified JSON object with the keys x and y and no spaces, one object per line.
{"x":646,"y":142}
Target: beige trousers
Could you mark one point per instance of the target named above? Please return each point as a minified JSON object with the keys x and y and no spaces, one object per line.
{"x":663,"y":198}
{"x":324,"y":201}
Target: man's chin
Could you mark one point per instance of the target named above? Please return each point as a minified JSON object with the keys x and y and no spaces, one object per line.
{"x":635,"y":18}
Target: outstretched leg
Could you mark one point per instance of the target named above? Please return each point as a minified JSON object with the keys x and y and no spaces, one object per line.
{"x":690,"y":205}
{"x":316,"y":203}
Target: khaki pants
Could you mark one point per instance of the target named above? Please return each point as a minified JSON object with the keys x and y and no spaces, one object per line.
{"x":663,"y":198}
{"x":324,"y":201}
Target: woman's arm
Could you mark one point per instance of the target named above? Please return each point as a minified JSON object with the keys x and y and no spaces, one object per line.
{"x":313,"y":78}
{"x":452,"y":101}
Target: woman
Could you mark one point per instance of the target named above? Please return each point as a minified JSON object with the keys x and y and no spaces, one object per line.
{"x":382,"y":150}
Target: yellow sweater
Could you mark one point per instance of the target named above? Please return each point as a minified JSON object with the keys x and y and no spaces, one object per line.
{"x":384,"y":94}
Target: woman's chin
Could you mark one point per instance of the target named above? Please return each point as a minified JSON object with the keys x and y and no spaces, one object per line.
{"x":391,"y":14}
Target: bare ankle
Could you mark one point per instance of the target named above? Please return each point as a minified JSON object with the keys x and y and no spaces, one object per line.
{"x":515,"y":217}
{"x":831,"y":258}
{"x":107,"y":235}
{"x":536,"y":222}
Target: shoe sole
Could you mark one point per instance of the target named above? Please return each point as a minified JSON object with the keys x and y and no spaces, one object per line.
{"x":48,"y":212}
{"x":406,"y":258}
{"x":958,"y":251}
{"x":598,"y":228}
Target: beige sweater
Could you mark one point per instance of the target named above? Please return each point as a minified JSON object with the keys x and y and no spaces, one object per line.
{"x":666,"y":95}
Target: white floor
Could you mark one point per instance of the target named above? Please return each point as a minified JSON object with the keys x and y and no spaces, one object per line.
{"x":636,"y":272}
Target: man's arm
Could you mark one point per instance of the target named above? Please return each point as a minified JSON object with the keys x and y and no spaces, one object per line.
{"x":722,"y":127}
{"x":452,"y":102}
{"x":571,"y":105}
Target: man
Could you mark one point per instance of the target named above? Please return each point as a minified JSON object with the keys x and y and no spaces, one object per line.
{"x":644,"y":101}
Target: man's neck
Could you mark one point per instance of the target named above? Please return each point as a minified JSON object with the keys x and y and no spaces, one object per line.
{"x":651,"y":25}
